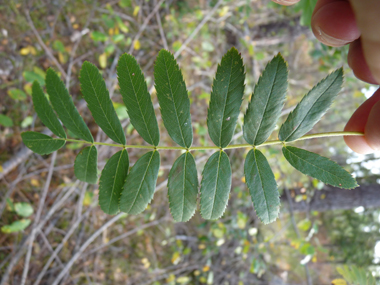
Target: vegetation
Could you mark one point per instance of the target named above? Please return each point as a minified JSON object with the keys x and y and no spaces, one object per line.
{"x":53,"y":226}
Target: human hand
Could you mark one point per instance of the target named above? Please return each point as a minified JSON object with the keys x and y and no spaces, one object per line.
{"x":355,"y":22}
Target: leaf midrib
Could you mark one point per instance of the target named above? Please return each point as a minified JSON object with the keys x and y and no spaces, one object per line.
{"x":138,"y":103}
{"x":175,"y":107}
{"x":139,"y":189}
{"x":262,"y":185}
{"x":88,"y":158}
{"x":101,"y":106}
{"x":312,"y":164}
{"x":266,"y":104}
{"x":113,"y":182}
{"x":67,"y":111}
{"x":216,"y":185}
{"x":183,"y":185}
{"x":225,"y":104}
{"x":299,"y":125}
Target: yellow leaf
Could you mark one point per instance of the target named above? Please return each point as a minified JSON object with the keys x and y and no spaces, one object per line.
{"x":136,"y":45}
{"x":223,"y":11}
{"x":35,"y":182}
{"x":183,"y":279}
{"x":136,"y":10}
{"x":145,"y":262}
{"x":339,"y":282}
{"x":206,"y":268}
{"x":314,"y":259}
{"x":61,"y":58}
{"x":111,"y":31}
{"x":1,"y":169}
{"x":197,"y":273}
{"x":103,"y":60}
{"x":75,"y":26}
{"x":87,"y":198}
{"x":28,"y":50}
{"x":323,"y":196}
{"x":175,"y":258}
{"x":243,"y":179}
{"x":304,"y":197}
{"x":202,"y":246}
{"x":171,"y":278}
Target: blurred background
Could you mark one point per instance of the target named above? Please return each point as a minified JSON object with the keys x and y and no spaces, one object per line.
{"x":66,"y":234}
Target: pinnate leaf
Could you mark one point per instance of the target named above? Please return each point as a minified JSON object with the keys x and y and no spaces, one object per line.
{"x":45,"y":111}
{"x":183,"y":188}
{"x":40,"y":143}
{"x":86,"y":165}
{"x":266,"y":103}
{"x":262,"y":186}
{"x":215,"y":186}
{"x":312,"y":107}
{"x":137,"y":99}
{"x":99,"y":102}
{"x":111,"y":182}
{"x":319,"y":167}
{"x":173,"y":98}
{"x":140,"y":185}
{"x":226,"y":97}
{"x":64,"y":106}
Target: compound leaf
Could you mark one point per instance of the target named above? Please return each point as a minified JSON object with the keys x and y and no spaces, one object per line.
{"x":312,"y":107}
{"x":86,"y":165}
{"x":173,"y":98}
{"x":266,"y":103}
{"x":99,"y":102}
{"x":111,"y":182}
{"x":137,"y":99}
{"x":319,"y":167}
{"x":226,"y":97}
{"x":64,"y":106}
{"x":262,"y":186}
{"x":139,"y":187}
{"x":215,"y":186}
{"x":40,"y":143}
{"x":183,"y":188}
{"x":45,"y":111}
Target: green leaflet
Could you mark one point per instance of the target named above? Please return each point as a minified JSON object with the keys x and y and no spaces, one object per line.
{"x":111,"y":182}
{"x":140,"y":185}
{"x":183,"y":188}
{"x":215,"y":186}
{"x":45,"y":111}
{"x":226,"y":97}
{"x":86,"y":165}
{"x":64,"y":106}
{"x":136,"y":97}
{"x":40,"y":143}
{"x":262,"y":186}
{"x":173,"y":98}
{"x":16,"y":226}
{"x":312,"y":107}
{"x":355,"y":275}
{"x":319,"y":167}
{"x":99,"y":102}
{"x":266,"y":103}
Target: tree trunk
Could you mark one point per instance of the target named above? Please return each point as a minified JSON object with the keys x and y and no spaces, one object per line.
{"x":333,"y":198}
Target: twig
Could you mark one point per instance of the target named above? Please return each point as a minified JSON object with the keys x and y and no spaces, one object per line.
{"x":158,"y":18}
{"x":75,"y":257}
{"x":198,"y":28}
{"x":37,"y":218}
{"x":309,"y":280}
{"x":143,"y":26}
{"x":41,"y":42}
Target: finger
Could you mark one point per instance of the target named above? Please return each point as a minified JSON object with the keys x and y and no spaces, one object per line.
{"x":286,"y":2}
{"x":333,"y":23}
{"x":358,"y":64}
{"x":368,"y":20}
{"x":367,"y":143}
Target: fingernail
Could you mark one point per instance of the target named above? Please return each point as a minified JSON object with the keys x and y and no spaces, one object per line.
{"x":372,"y":130}
{"x":329,"y":40}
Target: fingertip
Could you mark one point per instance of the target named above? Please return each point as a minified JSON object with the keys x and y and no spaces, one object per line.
{"x":365,"y":119}
{"x":334,"y":24}
{"x":357,"y":62}
{"x":372,"y":128}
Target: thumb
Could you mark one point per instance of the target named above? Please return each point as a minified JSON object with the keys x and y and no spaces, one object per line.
{"x":368,"y":20}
